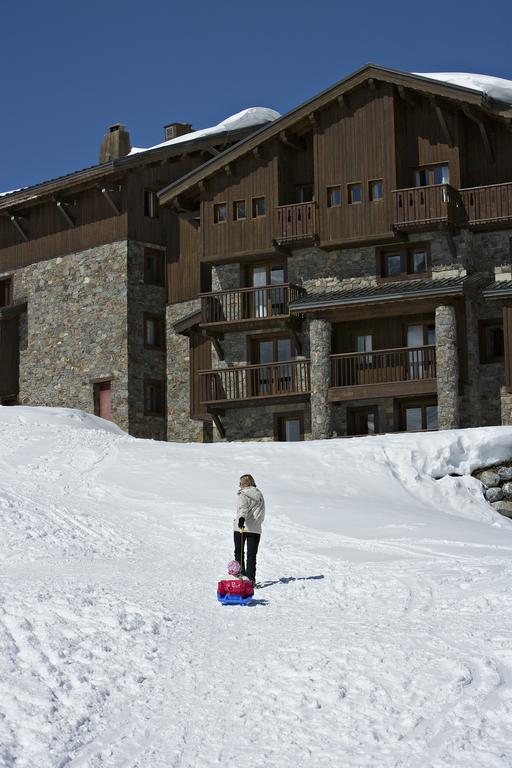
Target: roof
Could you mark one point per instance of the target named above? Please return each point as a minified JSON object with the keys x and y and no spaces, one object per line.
{"x":232,"y":129}
{"x":406,"y":289}
{"x":500,"y":289}
{"x":433,"y":87}
{"x":186,"y":323}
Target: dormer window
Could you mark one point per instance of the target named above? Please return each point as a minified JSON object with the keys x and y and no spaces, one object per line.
{"x":5,"y":292}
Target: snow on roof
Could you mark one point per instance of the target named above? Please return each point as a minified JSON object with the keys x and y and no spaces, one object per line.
{"x":494,"y":87}
{"x":247,"y":118}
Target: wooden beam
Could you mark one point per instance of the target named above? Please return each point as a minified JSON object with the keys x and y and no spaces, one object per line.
{"x":483,"y":131}
{"x":62,"y":208}
{"x":257,"y":153}
{"x":210,"y":151}
{"x":406,"y":96}
{"x":285,"y":138}
{"x":372,"y":83}
{"x":442,"y":120}
{"x":218,"y":423}
{"x":312,"y":119}
{"x":106,"y":194}
{"x":217,"y":347}
{"x":227,"y":169}
{"x":16,"y":223}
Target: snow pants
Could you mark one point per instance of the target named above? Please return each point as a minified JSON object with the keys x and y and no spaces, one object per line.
{"x":252,"y":540}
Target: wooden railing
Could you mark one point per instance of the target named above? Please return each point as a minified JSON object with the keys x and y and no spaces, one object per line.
{"x":295,"y":222}
{"x":289,"y":377}
{"x":435,"y":204}
{"x":383,"y":366}
{"x":269,"y":301}
{"x":488,"y":204}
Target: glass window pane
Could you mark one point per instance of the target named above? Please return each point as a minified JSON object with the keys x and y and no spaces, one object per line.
{"x":266,"y":351}
{"x":412,"y":419}
{"x":392,"y":265}
{"x":431,"y":416}
{"x":421,"y":177}
{"x":284,"y":349}
{"x":355,"y":193}
{"x":431,"y":334}
{"x":375,"y":190}
{"x":259,"y":276}
{"x":371,"y":424}
{"x":292,"y":430}
{"x":150,"y":333}
{"x":277,"y":275}
{"x":364,"y":343}
{"x":440,"y":174}
{"x":333,"y":196}
{"x":417,"y":261}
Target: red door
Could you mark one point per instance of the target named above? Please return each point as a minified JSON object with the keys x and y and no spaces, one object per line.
{"x":103,"y":399}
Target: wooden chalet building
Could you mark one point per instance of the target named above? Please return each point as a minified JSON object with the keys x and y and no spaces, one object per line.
{"x":83,"y":277}
{"x":359,"y":257}
{"x":344,"y":269}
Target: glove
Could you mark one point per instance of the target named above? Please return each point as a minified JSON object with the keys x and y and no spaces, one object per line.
{"x":241,"y":522}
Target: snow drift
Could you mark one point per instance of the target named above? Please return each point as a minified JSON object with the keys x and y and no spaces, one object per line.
{"x":381,"y":634}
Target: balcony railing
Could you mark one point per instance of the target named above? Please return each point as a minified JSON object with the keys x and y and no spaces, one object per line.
{"x":436,"y":204}
{"x":488,"y":204}
{"x":295,"y":222}
{"x":242,"y":304}
{"x":224,"y":385}
{"x":383,"y":366}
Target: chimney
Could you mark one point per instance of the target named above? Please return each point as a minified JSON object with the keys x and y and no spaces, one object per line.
{"x":173,"y":130}
{"x":115,"y":144}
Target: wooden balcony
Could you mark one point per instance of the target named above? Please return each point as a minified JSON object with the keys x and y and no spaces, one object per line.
{"x":295,"y":223}
{"x":488,"y":205}
{"x":246,"y":307}
{"x":383,"y":373}
{"x":253,"y":384}
{"x":418,"y":207}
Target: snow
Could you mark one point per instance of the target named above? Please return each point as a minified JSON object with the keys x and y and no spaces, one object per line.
{"x":494,"y":87}
{"x":381,"y":635}
{"x":247,"y":118}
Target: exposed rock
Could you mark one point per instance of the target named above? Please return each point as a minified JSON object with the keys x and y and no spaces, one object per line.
{"x":494,"y":494}
{"x":503,"y":507}
{"x":505,"y":473}
{"x":507,"y":490}
{"x":489,"y":478}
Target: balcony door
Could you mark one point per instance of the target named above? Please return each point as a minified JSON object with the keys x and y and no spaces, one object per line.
{"x":271,"y":377}
{"x":420,"y":362}
{"x":269,"y":299}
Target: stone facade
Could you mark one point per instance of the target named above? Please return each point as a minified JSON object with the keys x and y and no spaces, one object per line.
{"x":447,"y":368}
{"x":76,"y":329}
{"x":320,"y":341}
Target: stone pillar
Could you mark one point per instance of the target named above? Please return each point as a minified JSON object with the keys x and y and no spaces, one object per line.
{"x":506,"y":406}
{"x":506,"y":391}
{"x":320,"y":346}
{"x":447,"y":360}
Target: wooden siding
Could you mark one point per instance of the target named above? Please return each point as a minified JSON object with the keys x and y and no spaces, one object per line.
{"x":185,"y":272}
{"x":50,"y":235}
{"x":251,"y":177}
{"x":356,"y":144}
{"x":295,"y":168}
{"x":9,"y":356}
{"x":477,"y":168}
{"x":421,"y":140}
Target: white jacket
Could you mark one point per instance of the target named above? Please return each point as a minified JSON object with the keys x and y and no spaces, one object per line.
{"x":250,"y":505}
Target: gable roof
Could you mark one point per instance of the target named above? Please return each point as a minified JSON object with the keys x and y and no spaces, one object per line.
{"x":432,"y":87}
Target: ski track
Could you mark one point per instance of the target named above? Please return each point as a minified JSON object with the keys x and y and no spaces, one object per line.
{"x":132,"y":667}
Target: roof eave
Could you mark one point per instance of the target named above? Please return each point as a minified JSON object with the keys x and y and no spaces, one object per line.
{"x":312,"y":306}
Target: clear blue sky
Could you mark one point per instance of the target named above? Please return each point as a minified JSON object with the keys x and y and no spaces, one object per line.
{"x":72,"y":69}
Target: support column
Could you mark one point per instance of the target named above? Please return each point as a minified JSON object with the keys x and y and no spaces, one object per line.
{"x":320,"y":345}
{"x":447,"y":361}
{"x":506,"y":391}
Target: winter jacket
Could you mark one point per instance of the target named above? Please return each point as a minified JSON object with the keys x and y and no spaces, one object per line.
{"x":250,"y":505}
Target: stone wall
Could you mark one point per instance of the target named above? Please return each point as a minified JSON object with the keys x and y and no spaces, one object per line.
{"x":76,"y":329}
{"x":257,"y":422}
{"x":143,"y":363}
{"x":180,"y":427}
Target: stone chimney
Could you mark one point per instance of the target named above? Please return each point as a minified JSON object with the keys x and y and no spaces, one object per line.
{"x":115,"y":144}
{"x":173,"y":130}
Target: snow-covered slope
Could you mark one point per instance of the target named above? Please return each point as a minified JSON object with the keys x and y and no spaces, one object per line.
{"x":381,"y":636}
{"x":247,"y":118}
{"x":495,"y":87}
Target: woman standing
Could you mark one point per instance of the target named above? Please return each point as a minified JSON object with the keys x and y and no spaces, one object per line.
{"x":250,"y":513}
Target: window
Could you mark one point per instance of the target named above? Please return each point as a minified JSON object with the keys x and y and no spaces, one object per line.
{"x":239,"y":210}
{"x":355,"y":193}
{"x":220,"y":214}
{"x":364,"y":343}
{"x":271,"y":296}
{"x":404,"y":263}
{"x":492,"y":345}
{"x":258,"y":207}
{"x":5,"y":292}
{"x":289,"y":427}
{"x":418,"y":416}
{"x":304,"y":193}
{"x":151,"y":204}
{"x":375,"y":190}
{"x":333,"y":197}
{"x":270,"y":379}
{"x":154,"y":331}
{"x":154,"y":266}
{"x":154,"y":397}
{"x":431,"y":174}
{"x":362,"y":421}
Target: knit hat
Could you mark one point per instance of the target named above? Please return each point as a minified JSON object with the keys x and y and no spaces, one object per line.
{"x":234,"y":568}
